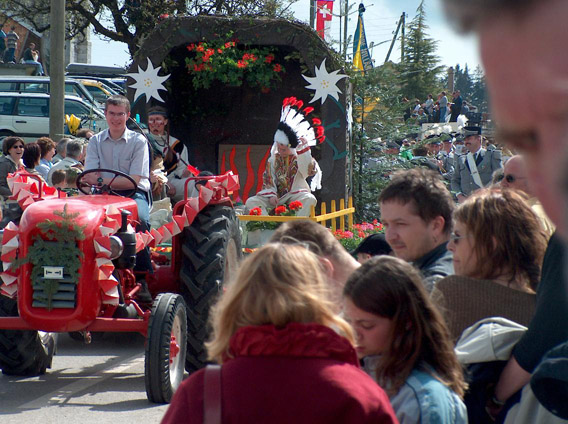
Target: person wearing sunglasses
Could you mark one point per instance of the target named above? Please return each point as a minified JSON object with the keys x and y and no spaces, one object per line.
{"x":515,"y":177}
{"x":13,"y":149}
{"x":498,"y":245}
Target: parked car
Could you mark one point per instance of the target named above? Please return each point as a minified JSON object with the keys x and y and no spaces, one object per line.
{"x":27,"y":114}
{"x":99,"y":90}
{"x":116,"y":84}
{"x":23,"y":84}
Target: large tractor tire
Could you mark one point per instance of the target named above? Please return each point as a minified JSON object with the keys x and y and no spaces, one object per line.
{"x":211,"y":250}
{"x":165,"y":347}
{"x":24,"y":352}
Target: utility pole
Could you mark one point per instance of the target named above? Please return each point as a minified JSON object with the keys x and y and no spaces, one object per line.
{"x":402,"y":37}
{"x":451,"y":79}
{"x":312,"y":14}
{"x":57,"y":70}
{"x":400,"y":21}
{"x":345,"y":18}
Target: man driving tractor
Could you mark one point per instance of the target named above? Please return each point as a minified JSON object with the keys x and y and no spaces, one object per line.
{"x":120,"y":149}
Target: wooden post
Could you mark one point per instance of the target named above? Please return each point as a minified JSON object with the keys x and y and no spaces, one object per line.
{"x":313,"y":211}
{"x":323,"y":212}
{"x":350,"y":204}
{"x":342,"y":219}
{"x":57,"y":70}
{"x":333,"y":220}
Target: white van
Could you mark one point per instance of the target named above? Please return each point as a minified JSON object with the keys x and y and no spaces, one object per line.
{"x":27,"y":114}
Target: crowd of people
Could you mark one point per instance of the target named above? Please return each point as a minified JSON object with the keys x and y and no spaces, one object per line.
{"x":450,"y":267}
{"x":44,"y":158}
{"x":443,"y":109}
{"x":464,"y":320}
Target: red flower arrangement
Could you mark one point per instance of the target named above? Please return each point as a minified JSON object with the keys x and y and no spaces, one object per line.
{"x":231,"y":64}
{"x":280,"y":210}
{"x":351,"y":239}
{"x":296,"y":205}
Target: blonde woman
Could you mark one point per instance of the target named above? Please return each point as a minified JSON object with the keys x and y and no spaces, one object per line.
{"x":286,"y":357}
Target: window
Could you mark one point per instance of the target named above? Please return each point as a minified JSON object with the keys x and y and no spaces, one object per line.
{"x":8,"y":87}
{"x":35,"y":87}
{"x":97,"y":92}
{"x":76,"y":108}
{"x":7,"y":105}
{"x":30,"y":106}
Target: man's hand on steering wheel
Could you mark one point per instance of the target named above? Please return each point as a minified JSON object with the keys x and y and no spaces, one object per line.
{"x":92,"y":182}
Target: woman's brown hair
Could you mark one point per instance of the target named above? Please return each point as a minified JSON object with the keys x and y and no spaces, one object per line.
{"x":507,"y":235}
{"x":9,"y":142}
{"x":392,"y":288}
{"x":45,"y":144}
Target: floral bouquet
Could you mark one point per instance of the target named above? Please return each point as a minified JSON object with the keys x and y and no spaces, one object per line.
{"x":231,"y":64}
{"x":281,"y":210}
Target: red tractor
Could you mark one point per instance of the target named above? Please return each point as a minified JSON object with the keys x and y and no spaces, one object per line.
{"x":69,"y":267}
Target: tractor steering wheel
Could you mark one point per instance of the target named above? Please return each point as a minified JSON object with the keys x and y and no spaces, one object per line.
{"x":100,"y":188}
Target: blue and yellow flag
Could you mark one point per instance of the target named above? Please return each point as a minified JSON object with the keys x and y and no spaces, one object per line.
{"x":361,"y":57}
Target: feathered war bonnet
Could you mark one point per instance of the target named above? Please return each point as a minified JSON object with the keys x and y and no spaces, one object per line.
{"x":295,"y":125}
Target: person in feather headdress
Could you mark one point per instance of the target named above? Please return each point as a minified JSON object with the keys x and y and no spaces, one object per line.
{"x":291,"y":162}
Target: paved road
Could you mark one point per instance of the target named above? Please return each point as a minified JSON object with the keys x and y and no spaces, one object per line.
{"x":98,"y":383}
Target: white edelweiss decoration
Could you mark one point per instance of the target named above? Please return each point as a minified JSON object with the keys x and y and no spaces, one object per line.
{"x":324,"y":83}
{"x":148,"y":82}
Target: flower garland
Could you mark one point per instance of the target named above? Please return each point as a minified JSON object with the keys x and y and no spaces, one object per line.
{"x":231,"y":64}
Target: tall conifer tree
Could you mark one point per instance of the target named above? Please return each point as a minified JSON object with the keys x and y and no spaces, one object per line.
{"x":421,"y":69}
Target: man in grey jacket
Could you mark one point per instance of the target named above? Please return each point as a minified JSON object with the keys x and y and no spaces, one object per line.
{"x":474,"y":169}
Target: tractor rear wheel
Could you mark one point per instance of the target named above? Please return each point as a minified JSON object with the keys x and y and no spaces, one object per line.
{"x":24,"y":352}
{"x":211,"y":250}
{"x":165,"y":347}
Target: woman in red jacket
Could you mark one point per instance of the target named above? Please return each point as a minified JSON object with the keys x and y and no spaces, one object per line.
{"x":283,"y":358}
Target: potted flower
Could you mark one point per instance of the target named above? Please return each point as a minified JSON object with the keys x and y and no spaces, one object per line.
{"x":259,"y":232}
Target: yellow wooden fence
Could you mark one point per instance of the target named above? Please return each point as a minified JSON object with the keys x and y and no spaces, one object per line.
{"x":335,"y":215}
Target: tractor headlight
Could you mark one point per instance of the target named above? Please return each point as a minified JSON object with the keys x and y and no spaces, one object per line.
{"x":116,"y":247}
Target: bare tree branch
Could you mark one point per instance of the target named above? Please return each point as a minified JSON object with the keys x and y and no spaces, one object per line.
{"x":130,"y":21}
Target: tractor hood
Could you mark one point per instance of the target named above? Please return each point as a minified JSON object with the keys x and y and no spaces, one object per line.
{"x":91,"y":210}
{"x":58,"y":287}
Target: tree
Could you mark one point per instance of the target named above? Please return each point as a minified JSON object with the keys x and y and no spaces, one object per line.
{"x":479,"y":90}
{"x":420,"y":69}
{"x":378,"y":117}
{"x":463,"y":81}
{"x":130,"y":21}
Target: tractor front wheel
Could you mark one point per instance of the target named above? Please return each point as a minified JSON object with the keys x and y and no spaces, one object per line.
{"x":211,"y":250}
{"x":24,"y":352}
{"x":165,"y":347}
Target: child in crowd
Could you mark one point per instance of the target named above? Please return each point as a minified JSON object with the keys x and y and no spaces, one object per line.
{"x":283,"y":358}
{"x":71,"y":175}
{"x":404,"y":343}
{"x":58,"y":179}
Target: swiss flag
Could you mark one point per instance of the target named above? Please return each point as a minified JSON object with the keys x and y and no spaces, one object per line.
{"x":324,"y":15}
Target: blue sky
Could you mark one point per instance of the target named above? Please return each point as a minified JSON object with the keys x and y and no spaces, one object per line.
{"x":380,"y":19}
